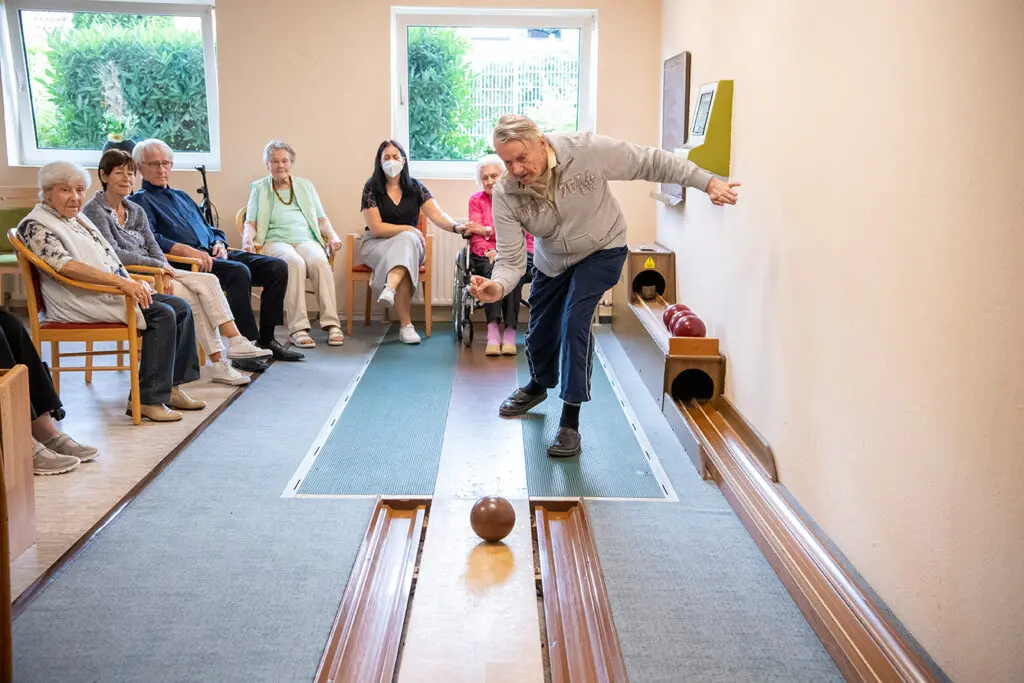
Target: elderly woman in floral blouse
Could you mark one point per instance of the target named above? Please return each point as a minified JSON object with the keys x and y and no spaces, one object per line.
{"x":57,"y":232}
{"x":125,"y":226}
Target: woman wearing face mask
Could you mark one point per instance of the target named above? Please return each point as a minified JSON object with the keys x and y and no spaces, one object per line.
{"x":393,"y":246}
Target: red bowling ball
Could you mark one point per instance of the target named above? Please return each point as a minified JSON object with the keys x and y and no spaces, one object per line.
{"x":671,"y":311}
{"x":688,"y":326}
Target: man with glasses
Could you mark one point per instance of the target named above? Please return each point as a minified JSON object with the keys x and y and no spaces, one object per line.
{"x":181,"y":230}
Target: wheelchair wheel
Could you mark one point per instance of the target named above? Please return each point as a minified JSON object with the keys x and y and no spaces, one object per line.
{"x":456,"y":316}
{"x":467,"y":333}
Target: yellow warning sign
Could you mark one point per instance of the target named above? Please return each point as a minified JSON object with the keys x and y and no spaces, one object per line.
{"x":649,"y":263}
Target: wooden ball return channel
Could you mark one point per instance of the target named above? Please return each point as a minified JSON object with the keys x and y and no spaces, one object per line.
{"x":685,"y":375}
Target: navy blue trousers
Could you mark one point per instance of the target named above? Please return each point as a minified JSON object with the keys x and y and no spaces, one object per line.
{"x":559,"y":343}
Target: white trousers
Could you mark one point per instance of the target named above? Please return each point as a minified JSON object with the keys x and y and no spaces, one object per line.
{"x":306,"y":259}
{"x":209,"y":307}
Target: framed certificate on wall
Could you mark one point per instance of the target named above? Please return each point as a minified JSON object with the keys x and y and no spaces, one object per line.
{"x":675,"y":110}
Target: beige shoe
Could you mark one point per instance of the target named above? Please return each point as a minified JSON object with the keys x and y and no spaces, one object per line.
{"x":492,"y":350}
{"x":508,"y":349}
{"x":157,"y":413}
{"x":45,"y":461}
{"x":182,"y":401}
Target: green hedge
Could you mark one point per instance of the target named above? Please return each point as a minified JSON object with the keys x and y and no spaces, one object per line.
{"x":158,"y":73}
{"x":441,"y":105}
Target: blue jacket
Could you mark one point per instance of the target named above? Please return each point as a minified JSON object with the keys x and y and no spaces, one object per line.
{"x":175,"y":218}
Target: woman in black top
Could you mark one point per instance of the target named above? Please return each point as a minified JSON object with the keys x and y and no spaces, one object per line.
{"x":394,"y":248}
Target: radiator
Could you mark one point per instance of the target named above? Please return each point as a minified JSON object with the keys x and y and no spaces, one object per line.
{"x":446,"y":247}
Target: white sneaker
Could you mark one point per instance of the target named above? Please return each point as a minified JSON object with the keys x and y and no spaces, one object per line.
{"x":387,"y":296}
{"x":408,"y":335}
{"x":239,"y":347}
{"x":225,"y":374}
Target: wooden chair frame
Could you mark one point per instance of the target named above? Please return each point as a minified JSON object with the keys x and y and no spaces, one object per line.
{"x":55,"y":333}
{"x":359,"y":272}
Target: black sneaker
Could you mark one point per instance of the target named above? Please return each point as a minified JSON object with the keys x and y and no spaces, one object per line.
{"x":519,"y":403}
{"x":566,"y":444}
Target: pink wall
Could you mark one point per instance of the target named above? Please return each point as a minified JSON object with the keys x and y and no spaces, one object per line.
{"x":867,"y":291}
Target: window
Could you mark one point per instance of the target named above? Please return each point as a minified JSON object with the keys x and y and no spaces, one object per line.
{"x":78,"y":73}
{"x":458,"y":71}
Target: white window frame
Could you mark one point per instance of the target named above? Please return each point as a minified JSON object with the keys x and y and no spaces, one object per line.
{"x":404,"y":17}
{"x":18,"y":117}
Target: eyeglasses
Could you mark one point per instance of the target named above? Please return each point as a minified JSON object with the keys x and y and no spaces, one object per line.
{"x":159,"y":164}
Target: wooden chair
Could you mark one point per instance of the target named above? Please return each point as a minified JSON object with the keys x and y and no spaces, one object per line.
{"x":360,"y":272}
{"x":55,"y":332}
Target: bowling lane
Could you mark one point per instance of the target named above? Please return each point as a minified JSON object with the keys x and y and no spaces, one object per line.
{"x":474,"y":616}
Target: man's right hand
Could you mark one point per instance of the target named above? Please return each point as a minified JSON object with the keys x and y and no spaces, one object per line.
{"x":139,"y":291}
{"x":483,"y":290}
{"x":205,"y":260}
{"x":248,"y":246}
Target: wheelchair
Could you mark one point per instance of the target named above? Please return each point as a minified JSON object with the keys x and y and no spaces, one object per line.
{"x":463,"y":303}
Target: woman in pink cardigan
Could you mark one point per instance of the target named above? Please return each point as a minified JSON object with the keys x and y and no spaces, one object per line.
{"x":483,"y":249}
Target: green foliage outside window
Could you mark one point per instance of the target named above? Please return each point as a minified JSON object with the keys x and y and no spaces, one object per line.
{"x":441,"y":104}
{"x":128,"y":75}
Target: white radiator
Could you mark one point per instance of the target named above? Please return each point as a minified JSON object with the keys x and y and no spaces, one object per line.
{"x":446,"y":246}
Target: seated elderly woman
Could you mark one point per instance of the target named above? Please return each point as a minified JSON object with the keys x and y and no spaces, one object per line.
{"x":57,"y":232}
{"x":393,"y":247}
{"x":297,"y":231}
{"x":483,"y":250}
{"x":124,"y":225}
{"x":54,"y":452}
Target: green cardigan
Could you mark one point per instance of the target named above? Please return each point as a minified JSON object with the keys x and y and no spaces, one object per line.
{"x":263,"y":191}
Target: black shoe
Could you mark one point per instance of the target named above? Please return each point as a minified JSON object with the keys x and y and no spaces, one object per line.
{"x":519,"y":402}
{"x":250,"y":364}
{"x":281,"y":353}
{"x":566,"y":444}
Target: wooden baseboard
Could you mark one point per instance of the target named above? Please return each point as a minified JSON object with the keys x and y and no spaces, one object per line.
{"x":367,"y":632}
{"x":854,"y":630}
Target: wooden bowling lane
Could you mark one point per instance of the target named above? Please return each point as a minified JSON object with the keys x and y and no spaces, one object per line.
{"x":474,"y":617}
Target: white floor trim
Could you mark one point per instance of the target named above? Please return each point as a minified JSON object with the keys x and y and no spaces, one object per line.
{"x":325,"y":431}
{"x":639,"y":433}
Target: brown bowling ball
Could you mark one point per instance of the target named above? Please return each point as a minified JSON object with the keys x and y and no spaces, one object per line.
{"x":492,"y":518}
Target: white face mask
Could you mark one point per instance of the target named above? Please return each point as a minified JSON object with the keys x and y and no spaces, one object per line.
{"x":392,"y":167}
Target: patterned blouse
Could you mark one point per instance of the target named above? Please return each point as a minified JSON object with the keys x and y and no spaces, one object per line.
{"x":43,"y":243}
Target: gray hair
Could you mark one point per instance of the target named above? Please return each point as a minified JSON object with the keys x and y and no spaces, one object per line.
{"x":516,"y":127}
{"x":59,"y":173}
{"x":488,"y":160}
{"x":139,"y":153}
{"x":277,"y":144}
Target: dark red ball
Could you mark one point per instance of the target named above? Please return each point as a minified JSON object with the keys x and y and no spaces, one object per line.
{"x":688,"y":326}
{"x":671,"y":311}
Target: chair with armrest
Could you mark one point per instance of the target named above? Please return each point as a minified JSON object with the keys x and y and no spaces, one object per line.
{"x":360,"y":272}
{"x":56,"y":332}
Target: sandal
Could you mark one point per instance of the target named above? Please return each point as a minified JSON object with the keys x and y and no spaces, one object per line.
{"x":303,"y":340}
{"x":334,"y":336}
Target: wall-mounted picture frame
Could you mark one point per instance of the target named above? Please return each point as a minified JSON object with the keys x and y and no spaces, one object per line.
{"x":675,"y":113}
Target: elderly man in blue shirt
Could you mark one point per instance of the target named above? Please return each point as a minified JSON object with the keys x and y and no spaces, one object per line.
{"x":181,"y":230}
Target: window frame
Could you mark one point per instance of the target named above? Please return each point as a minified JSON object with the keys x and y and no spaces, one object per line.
{"x":19,"y":117}
{"x":404,"y":17}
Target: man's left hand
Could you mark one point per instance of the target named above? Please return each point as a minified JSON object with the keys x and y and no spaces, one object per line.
{"x":721,"y":193}
{"x":219,"y":250}
{"x":333,"y":244}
